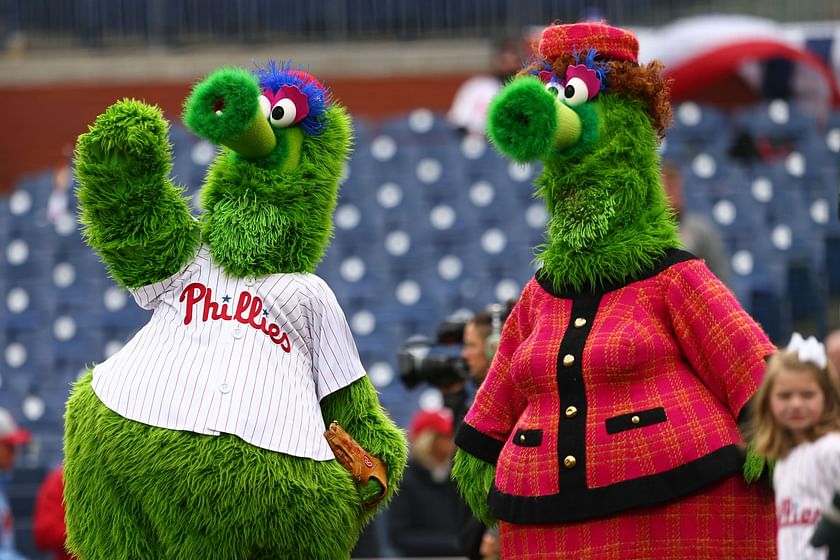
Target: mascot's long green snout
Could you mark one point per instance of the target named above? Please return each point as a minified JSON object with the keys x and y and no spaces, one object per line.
{"x":203,"y":437}
{"x":528,"y":123}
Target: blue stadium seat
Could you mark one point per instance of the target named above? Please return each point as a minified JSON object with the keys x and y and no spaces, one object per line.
{"x":454,"y":282}
{"x":26,"y":303}
{"x":736,"y":215}
{"x":76,"y":282}
{"x":495,"y":205}
{"x":27,"y":353}
{"x":357,"y":225}
{"x":419,"y":127}
{"x":762,"y":281}
{"x":75,"y":345}
{"x":406,"y":253}
{"x":480,"y":159}
{"x":28,"y":202}
{"x":777,"y":122}
{"x":697,"y":129}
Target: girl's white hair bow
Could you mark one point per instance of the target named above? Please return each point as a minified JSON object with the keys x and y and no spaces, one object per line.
{"x":808,"y":350}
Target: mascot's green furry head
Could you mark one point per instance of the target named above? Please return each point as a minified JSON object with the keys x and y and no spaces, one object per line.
{"x":270,"y":196}
{"x":585,"y":108}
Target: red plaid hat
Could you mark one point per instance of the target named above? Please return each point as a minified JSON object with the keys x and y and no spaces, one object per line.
{"x":610,"y":42}
{"x":439,"y":421}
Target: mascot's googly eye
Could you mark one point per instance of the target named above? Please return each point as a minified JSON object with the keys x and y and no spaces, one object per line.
{"x":553,"y":88}
{"x":265,"y":105}
{"x":283,"y":113}
{"x":575,"y":93}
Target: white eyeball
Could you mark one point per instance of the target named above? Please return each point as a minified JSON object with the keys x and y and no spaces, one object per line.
{"x":576,"y":93}
{"x":553,"y":88}
{"x":283,"y":113}
{"x":265,"y":105}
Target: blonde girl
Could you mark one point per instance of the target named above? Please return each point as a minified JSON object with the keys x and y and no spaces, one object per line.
{"x":797,"y":422}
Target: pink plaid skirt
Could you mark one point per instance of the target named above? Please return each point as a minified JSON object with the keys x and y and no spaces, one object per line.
{"x":727,"y":520}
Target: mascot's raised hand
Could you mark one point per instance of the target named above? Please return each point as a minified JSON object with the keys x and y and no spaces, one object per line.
{"x":203,"y":437}
{"x":607,"y":426}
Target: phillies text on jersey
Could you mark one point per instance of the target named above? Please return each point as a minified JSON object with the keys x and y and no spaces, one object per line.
{"x":251,"y":357}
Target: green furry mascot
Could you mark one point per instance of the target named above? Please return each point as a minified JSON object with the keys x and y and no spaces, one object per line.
{"x":204,"y":436}
{"x":607,"y":426}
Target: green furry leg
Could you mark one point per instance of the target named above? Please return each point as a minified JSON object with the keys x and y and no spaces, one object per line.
{"x":103,"y":521}
{"x":135,"y":491}
{"x":475,"y":478}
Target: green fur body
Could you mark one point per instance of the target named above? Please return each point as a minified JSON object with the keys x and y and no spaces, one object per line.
{"x":607,"y":221}
{"x":135,"y":491}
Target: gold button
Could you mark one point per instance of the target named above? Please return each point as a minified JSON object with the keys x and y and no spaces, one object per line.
{"x":571,"y":411}
{"x":570,"y":461}
{"x":580,"y":322}
{"x":568,"y":360}
{"x":522,"y":438}
{"x":635,"y":419}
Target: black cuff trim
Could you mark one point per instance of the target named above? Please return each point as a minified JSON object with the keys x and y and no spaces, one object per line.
{"x":580,"y":503}
{"x":528,"y":438}
{"x":633,"y":420}
{"x":672,"y":257}
{"x":475,"y":443}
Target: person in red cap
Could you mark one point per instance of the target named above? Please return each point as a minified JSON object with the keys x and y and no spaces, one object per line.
{"x":11,"y":438}
{"x":608,"y":424}
{"x":421,"y":519}
{"x":49,"y":531}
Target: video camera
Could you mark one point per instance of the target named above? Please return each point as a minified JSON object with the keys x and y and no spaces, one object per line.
{"x":436,"y":362}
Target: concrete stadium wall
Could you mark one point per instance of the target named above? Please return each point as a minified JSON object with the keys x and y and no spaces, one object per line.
{"x":42,"y":121}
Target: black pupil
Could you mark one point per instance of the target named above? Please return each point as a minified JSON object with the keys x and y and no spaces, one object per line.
{"x":553,"y":90}
{"x":570,"y":91}
{"x":277,"y":113}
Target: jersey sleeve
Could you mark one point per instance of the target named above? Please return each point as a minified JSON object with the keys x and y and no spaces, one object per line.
{"x":149,"y":296}
{"x":335,"y":358}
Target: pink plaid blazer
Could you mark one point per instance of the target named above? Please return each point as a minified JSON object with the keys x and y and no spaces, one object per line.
{"x":603,"y":401}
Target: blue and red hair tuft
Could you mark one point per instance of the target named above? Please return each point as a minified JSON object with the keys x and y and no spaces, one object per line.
{"x":276,"y":75}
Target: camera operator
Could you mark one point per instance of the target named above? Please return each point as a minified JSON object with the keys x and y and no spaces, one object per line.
{"x":481,"y":338}
{"x":463,"y":350}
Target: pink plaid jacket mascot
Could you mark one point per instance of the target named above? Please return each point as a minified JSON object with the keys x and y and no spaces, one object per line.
{"x":607,"y":426}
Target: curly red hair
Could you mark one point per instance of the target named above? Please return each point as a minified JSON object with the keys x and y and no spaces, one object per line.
{"x":642,"y":82}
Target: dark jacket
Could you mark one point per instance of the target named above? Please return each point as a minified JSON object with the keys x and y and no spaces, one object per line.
{"x":422,"y":517}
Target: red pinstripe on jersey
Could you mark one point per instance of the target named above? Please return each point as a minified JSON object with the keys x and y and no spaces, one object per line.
{"x":246,"y":356}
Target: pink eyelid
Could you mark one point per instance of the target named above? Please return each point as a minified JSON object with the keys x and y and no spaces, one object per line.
{"x":589,"y":77}
{"x":290,"y":92}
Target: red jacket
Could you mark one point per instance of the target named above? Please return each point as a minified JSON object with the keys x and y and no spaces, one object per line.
{"x":604,"y":401}
{"x":48,"y":529}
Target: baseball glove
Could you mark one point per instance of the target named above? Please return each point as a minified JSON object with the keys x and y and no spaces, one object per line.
{"x":359,"y":463}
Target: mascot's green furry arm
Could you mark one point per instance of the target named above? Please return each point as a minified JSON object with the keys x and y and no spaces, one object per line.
{"x":203,"y":437}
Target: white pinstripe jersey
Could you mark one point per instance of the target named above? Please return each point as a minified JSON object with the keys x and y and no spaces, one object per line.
{"x":804,"y":483}
{"x":246,"y":356}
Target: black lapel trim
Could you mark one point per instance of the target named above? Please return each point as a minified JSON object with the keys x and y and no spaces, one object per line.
{"x":577,"y":504}
{"x":475,"y":443}
{"x":672,"y":257}
{"x":571,"y":430}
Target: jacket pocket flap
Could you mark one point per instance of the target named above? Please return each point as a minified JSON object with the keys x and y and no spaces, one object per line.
{"x":635,"y":420}
{"x":528,"y":438}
